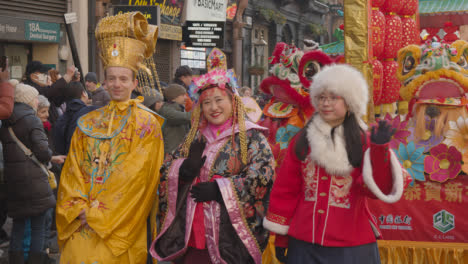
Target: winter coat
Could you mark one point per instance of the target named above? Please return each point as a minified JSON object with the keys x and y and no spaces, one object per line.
{"x":100,"y":97}
{"x":233,"y":227}
{"x":56,"y":94}
{"x":66,"y":124}
{"x":177,"y":125}
{"x":7,"y":95}
{"x":29,"y":192}
{"x":323,"y":199}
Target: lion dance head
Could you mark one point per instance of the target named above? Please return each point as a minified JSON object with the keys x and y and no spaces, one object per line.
{"x":434,"y":80}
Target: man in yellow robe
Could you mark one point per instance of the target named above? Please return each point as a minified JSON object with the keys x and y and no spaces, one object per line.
{"x":109,"y":181}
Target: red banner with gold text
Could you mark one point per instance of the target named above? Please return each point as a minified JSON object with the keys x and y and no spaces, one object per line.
{"x":427,"y":211}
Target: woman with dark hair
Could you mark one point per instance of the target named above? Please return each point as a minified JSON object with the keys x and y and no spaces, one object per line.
{"x":319,"y":199}
{"x":214,"y":188}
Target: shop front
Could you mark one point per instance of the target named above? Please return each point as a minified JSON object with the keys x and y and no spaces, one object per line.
{"x":24,"y":40}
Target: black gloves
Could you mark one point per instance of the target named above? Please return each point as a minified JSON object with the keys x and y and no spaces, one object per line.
{"x":191,"y":166}
{"x":281,"y":254}
{"x":384,"y":133}
{"x":205,"y":192}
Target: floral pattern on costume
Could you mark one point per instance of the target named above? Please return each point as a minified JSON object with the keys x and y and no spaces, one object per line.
{"x":252,"y":182}
{"x":340,"y":189}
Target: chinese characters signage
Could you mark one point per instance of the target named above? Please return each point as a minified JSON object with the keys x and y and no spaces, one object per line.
{"x":427,"y":211}
{"x":204,"y":34}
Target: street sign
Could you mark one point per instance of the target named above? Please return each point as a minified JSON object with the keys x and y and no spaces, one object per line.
{"x":205,"y":34}
{"x":70,"y":18}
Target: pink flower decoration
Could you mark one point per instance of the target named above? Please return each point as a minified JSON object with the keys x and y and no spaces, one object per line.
{"x":401,"y":132}
{"x":214,"y":77}
{"x":443,"y":163}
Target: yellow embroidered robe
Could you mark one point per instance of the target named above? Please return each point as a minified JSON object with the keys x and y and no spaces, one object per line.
{"x":112,"y":172}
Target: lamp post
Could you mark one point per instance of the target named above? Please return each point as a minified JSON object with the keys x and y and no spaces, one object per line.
{"x":259,"y":48}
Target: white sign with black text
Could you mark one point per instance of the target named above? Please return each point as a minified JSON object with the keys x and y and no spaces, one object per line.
{"x":206,"y":10}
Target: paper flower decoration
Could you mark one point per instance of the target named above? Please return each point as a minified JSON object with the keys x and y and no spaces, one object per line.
{"x":217,"y":78}
{"x":443,"y":163}
{"x":401,"y":132}
{"x":412,"y":159}
{"x":457,"y":135}
{"x":429,"y":140}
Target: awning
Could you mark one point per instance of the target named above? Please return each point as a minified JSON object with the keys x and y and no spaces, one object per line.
{"x":334,"y":48}
{"x":434,"y":13}
{"x":428,"y":7}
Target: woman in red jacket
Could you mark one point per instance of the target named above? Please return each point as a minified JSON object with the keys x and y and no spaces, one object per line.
{"x":318,"y":205}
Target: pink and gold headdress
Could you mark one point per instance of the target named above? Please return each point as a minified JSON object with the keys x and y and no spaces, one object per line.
{"x":223,"y":80}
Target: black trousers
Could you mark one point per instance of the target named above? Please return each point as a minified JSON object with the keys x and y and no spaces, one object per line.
{"x":300,"y":252}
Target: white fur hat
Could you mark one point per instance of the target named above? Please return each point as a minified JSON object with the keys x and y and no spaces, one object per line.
{"x":345,"y":81}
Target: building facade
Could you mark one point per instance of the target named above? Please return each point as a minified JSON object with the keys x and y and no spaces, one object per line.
{"x":35,"y":30}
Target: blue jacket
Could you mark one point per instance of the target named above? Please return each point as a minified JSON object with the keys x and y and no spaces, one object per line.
{"x":66,"y":124}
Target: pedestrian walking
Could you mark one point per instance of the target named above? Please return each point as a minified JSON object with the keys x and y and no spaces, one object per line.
{"x":332,"y":166}
{"x":214,"y":188}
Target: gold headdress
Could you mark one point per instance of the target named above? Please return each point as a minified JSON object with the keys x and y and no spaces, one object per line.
{"x":127,"y":40}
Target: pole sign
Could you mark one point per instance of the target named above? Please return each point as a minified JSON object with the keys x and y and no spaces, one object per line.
{"x":204,"y":34}
{"x":206,"y":10}
{"x":70,"y":18}
{"x":151,"y":13}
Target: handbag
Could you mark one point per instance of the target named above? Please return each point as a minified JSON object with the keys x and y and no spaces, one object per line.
{"x":28,"y":153}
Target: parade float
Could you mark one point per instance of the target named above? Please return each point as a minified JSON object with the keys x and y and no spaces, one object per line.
{"x":420,"y":88}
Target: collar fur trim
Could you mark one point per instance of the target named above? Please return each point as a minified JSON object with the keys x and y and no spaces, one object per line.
{"x":327,"y":153}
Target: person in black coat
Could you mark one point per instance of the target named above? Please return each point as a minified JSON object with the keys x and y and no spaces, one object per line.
{"x":37,"y":76}
{"x":66,"y":124}
{"x":29,"y":192}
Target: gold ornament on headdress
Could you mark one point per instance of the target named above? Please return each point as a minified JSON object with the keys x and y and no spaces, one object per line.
{"x":126,"y":40}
